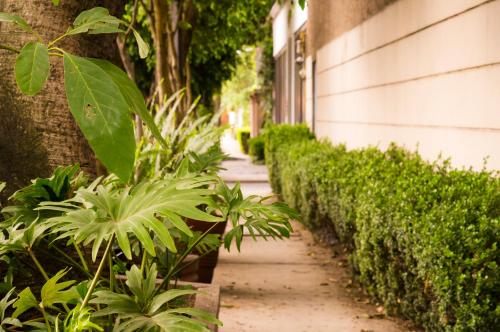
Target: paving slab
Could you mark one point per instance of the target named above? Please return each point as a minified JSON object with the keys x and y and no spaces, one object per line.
{"x":293,"y":285}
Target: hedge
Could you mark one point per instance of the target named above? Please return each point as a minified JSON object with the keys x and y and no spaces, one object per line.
{"x":423,"y":237}
{"x":242,"y":136}
{"x":256,"y":147}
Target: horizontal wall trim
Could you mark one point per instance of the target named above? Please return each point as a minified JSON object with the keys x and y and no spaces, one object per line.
{"x":410,"y":79}
{"x":403,"y":125}
{"x":428,"y":26}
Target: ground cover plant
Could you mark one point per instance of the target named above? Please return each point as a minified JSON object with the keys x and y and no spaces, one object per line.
{"x":423,"y":237}
{"x":100,"y":244}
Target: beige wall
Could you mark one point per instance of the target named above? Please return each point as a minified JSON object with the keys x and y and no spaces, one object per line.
{"x":328,"y":19}
{"x":419,"y":72}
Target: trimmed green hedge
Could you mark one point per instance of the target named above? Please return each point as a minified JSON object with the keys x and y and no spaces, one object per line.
{"x":256,"y":147}
{"x":424,"y":238}
{"x":242,"y":136}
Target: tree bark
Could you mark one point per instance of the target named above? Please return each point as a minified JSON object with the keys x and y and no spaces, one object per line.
{"x":158,"y":24}
{"x":38,"y":133}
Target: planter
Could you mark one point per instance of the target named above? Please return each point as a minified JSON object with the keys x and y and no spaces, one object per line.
{"x":208,"y":299}
{"x":207,"y":263}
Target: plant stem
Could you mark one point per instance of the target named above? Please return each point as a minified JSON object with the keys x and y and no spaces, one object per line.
{"x":111,"y":272}
{"x":143,"y":261}
{"x":82,"y":259}
{"x":66,"y":259}
{"x":56,"y":40}
{"x":9,"y":48}
{"x":38,"y":265}
{"x":182,"y":257}
{"x":193,"y":261}
{"x":47,"y":323}
{"x":98,"y":272}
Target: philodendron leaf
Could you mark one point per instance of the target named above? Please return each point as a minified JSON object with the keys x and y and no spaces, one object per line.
{"x":102,"y":113}
{"x":54,"y":292}
{"x":132,"y":95}
{"x":25,"y":302}
{"x":6,"y":17}
{"x":32,"y":68}
{"x":141,"y":44}
{"x":94,"y":21}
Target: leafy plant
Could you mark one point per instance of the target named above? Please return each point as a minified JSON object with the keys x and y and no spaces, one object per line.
{"x":98,"y":96}
{"x":105,"y":212}
{"x":142,"y":220}
{"x":144,"y":310}
{"x":5,"y":320}
{"x":193,"y":137}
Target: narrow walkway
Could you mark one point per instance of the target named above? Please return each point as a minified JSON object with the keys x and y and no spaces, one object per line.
{"x":291,"y":285}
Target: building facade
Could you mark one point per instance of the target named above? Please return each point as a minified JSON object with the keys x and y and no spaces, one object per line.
{"x":422,"y":73}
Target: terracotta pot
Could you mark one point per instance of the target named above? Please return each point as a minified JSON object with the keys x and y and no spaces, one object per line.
{"x":208,"y":262}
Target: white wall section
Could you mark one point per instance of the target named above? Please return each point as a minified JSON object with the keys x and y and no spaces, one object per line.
{"x":280,"y":28}
{"x":420,"y":72}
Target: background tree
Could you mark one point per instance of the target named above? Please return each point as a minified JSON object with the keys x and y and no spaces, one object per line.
{"x":196,"y":42}
{"x":39,"y":133}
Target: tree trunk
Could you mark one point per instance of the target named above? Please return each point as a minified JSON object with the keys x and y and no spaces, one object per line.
{"x":158,"y":29}
{"x":38,"y":133}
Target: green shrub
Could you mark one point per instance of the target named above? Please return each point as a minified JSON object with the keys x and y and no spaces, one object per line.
{"x":256,"y":146}
{"x":424,"y":238}
{"x":243,"y":135}
{"x":281,"y":136}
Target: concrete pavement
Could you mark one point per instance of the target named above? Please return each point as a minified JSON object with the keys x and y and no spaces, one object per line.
{"x":294,"y":285}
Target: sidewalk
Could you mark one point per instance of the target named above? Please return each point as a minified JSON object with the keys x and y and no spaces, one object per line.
{"x":292,"y":285}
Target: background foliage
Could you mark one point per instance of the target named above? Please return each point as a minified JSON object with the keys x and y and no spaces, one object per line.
{"x":221,"y":29}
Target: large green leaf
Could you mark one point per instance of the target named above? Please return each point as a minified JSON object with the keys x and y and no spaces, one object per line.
{"x":102,"y":114}
{"x":94,"y":21}
{"x":6,"y":17}
{"x":132,"y":95}
{"x":124,"y":213}
{"x":32,"y":68}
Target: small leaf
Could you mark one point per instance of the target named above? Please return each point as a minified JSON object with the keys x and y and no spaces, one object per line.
{"x":96,"y":20}
{"x":159,"y":300}
{"x":141,"y":44}
{"x":56,"y":2}
{"x":102,"y":114}
{"x":6,"y":17}
{"x":32,"y":68}
{"x":25,"y":302}
{"x":54,"y":292}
